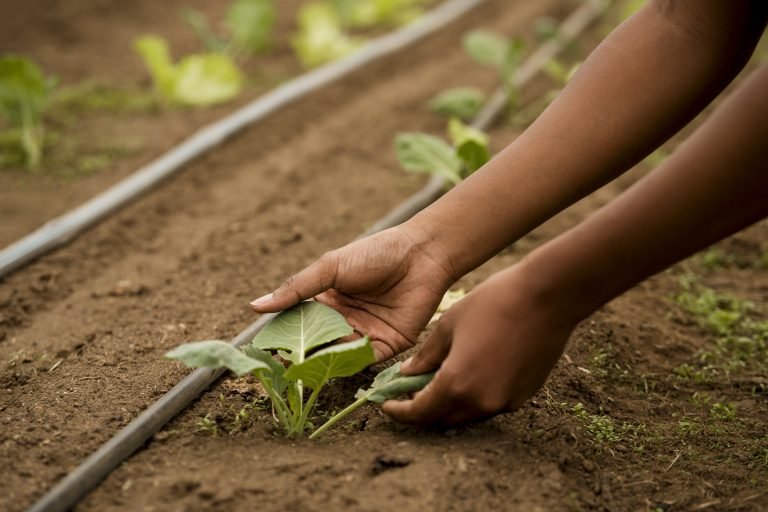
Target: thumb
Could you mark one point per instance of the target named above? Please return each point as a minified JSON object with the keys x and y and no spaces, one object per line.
{"x":432,"y":353}
{"x":313,"y":280}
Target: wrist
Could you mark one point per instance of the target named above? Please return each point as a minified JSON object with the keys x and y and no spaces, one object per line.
{"x":425,"y":248}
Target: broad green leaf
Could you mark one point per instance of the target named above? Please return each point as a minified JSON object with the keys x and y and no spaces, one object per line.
{"x":320,"y":38}
{"x":340,"y":360}
{"x":157,"y":58}
{"x":421,"y":152}
{"x":250,"y":23}
{"x":206,"y":79}
{"x":300,"y":329}
{"x":390,"y":384}
{"x":276,"y":375}
{"x":373,"y":13}
{"x":461,"y":102}
{"x":201,"y":79}
{"x":487,"y":48}
{"x":216,"y":354}
{"x":471,"y":145}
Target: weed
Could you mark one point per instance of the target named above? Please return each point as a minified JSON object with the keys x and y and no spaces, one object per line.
{"x":207,"y":425}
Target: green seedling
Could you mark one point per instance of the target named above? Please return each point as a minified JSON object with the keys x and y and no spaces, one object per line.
{"x":377,"y":13}
{"x":424,"y":153}
{"x":24,"y":94}
{"x":302,"y":337}
{"x":461,"y":102}
{"x":499,"y":52}
{"x":320,"y":38}
{"x":387,"y":385}
{"x":249,"y":23}
{"x":196,"y":80}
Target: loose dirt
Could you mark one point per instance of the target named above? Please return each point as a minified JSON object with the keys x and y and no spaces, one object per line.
{"x":83,"y":331}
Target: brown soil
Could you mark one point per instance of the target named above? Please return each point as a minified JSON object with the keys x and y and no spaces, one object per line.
{"x":82,"y":333}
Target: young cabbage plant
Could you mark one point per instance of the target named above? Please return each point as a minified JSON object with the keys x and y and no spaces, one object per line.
{"x":249,"y":24}
{"x":377,"y":13}
{"x":461,"y":102}
{"x":498,"y":52}
{"x":196,"y":80}
{"x":24,"y":94}
{"x":320,"y":38}
{"x":302,"y":337}
{"x":425,"y":153}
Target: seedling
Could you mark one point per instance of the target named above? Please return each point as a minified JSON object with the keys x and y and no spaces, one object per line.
{"x":424,"y":153}
{"x":461,"y":102}
{"x":499,"y":52}
{"x":302,"y":337}
{"x":198,"y":80}
{"x":375,"y":13}
{"x":24,"y":93}
{"x":249,"y":26}
{"x":320,"y":38}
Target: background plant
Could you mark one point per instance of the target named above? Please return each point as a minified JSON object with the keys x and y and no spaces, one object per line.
{"x":24,"y":94}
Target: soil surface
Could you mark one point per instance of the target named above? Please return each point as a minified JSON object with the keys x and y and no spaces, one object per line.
{"x":653,"y":407}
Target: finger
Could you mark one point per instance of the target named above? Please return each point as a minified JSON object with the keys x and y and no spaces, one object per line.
{"x":432,"y":353}
{"x":428,"y":407}
{"x":313,"y":280}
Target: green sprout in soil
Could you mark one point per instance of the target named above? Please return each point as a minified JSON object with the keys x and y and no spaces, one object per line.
{"x":249,"y":27}
{"x":24,"y":94}
{"x":302,"y":337}
{"x":425,"y":153}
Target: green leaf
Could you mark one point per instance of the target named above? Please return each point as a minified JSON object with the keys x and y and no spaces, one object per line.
{"x":421,"y":152}
{"x":24,"y":93}
{"x":320,"y":38}
{"x":216,"y":354}
{"x":461,"y":102}
{"x":202,"y":79}
{"x":250,"y":22}
{"x":471,"y":145}
{"x":340,"y":360}
{"x":276,"y":375}
{"x":206,"y":79}
{"x":300,"y":329}
{"x":487,"y":48}
{"x":390,"y":384}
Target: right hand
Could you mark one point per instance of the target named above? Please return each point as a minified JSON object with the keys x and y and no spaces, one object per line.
{"x":387,"y":286}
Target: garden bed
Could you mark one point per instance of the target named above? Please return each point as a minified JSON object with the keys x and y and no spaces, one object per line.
{"x":83,"y":331}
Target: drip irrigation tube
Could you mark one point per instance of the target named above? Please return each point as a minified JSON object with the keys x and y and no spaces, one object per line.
{"x":72,"y":488}
{"x":61,"y":230}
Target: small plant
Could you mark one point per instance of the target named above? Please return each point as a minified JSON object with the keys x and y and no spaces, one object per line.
{"x":375,"y":13}
{"x":499,"y":52}
{"x":301,"y":336}
{"x":320,"y":38}
{"x":461,"y":102}
{"x":424,"y":153}
{"x":197,"y":80}
{"x":249,"y":26}
{"x":24,"y":94}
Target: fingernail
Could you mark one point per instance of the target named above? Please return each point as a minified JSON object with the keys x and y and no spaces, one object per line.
{"x":407,"y":362}
{"x":262,"y":300}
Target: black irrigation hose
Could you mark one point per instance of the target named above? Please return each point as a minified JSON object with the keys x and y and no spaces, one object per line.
{"x":70,"y":490}
{"x":63,"y":229}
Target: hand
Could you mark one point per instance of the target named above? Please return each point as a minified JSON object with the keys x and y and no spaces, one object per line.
{"x":494,"y":350}
{"x":387,"y":286}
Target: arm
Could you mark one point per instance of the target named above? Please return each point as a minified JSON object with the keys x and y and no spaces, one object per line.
{"x":715,"y":185}
{"x":649,"y":78}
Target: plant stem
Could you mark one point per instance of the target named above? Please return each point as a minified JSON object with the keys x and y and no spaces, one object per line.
{"x":308,"y":407}
{"x":328,"y":424}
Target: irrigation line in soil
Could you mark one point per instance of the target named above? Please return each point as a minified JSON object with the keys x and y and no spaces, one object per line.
{"x":72,"y":488}
{"x":63,"y":229}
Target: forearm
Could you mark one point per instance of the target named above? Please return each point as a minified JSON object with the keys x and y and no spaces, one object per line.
{"x":713,"y":186}
{"x":643,"y":83}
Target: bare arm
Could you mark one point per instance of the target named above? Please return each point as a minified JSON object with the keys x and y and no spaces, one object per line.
{"x":649,"y":78}
{"x":497,"y":346}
